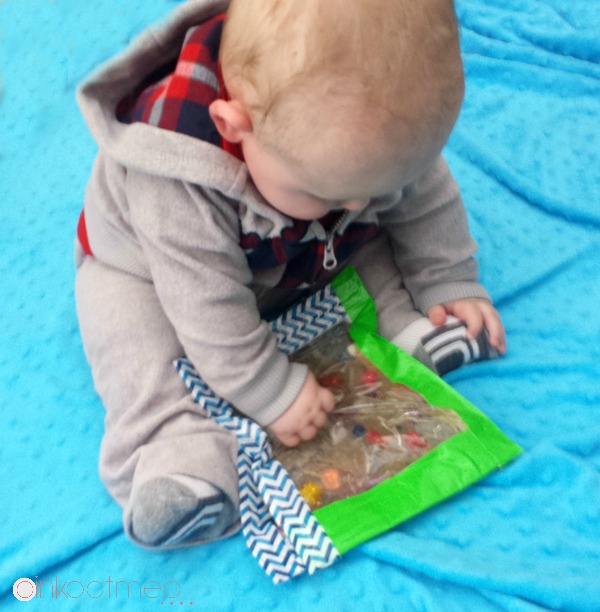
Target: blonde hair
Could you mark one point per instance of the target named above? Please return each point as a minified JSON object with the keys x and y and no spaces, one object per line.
{"x":382,"y":56}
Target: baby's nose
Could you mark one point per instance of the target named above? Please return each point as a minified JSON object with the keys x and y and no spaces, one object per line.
{"x":354,"y":204}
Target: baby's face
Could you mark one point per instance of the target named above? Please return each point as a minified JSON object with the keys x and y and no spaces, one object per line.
{"x":340,"y":173}
{"x":285,"y":186}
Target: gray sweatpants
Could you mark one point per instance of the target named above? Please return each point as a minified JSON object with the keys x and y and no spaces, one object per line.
{"x":152,"y":425}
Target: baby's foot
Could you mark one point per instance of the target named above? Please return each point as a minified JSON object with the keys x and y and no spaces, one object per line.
{"x":445,"y":347}
{"x":177,"y":509}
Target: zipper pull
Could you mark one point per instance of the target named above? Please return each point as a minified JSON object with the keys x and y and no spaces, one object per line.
{"x":329,"y":260}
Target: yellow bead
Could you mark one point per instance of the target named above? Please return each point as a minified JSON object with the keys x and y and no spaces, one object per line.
{"x":311,"y":493}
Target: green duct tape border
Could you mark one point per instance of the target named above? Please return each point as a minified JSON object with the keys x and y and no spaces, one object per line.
{"x":448,"y":469}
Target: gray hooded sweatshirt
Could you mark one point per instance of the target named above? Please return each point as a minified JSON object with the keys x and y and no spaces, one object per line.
{"x":183,"y":213}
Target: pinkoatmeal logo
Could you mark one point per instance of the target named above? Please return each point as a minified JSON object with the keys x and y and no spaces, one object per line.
{"x":26,"y":589}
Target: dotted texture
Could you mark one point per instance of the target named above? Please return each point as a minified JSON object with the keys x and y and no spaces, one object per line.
{"x":526,"y":154}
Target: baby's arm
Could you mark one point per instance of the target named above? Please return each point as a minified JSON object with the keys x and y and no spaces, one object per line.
{"x":190,"y":240}
{"x":434,"y":251}
{"x":306,"y":415}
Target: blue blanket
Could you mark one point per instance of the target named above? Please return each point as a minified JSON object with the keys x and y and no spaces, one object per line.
{"x":526,"y":152}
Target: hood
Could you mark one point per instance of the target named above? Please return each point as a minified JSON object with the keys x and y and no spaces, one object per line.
{"x":145,"y":147}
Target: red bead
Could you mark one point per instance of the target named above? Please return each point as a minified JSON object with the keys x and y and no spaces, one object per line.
{"x":331,"y":381}
{"x":414,"y":440}
{"x":369,"y":377}
{"x":374,"y":437}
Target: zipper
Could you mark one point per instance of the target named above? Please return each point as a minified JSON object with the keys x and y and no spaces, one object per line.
{"x":330,"y":261}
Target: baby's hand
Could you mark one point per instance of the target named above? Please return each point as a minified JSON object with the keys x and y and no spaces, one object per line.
{"x":477,"y":314}
{"x":306,"y":415}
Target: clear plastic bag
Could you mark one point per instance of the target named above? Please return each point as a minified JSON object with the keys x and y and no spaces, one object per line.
{"x":377,"y":429}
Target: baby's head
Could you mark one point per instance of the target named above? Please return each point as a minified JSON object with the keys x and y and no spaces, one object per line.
{"x":338,"y":101}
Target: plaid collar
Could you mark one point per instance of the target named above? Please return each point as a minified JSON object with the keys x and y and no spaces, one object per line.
{"x":179,"y":101}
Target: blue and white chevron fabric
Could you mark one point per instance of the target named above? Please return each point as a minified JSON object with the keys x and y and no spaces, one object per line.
{"x":307,"y":320}
{"x":280,"y":530}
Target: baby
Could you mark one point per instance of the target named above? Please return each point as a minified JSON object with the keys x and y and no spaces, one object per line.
{"x":247,"y":153}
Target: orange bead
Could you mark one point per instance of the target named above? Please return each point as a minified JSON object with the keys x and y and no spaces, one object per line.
{"x":331,"y":479}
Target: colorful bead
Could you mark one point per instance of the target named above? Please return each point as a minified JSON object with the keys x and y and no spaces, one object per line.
{"x":331,"y":479}
{"x":374,"y":437}
{"x":415,"y":441}
{"x":331,"y":381}
{"x":358,"y":431}
{"x":369,"y":377}
{"x":311,"y":493}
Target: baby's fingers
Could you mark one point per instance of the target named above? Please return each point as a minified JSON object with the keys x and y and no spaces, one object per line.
{"x":471,"y":314}
{"x":320,"y":419}
{"x":437,"y":314}
{"x":289,"y":439}
{"x":495,"y":329}
{"x":308,"y":432}
{"x":326,"y":400}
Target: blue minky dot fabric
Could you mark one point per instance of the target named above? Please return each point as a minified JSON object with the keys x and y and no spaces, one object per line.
{"x":526,"y":152}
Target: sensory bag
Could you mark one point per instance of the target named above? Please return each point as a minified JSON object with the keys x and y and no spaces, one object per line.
{"x":399,"y":441}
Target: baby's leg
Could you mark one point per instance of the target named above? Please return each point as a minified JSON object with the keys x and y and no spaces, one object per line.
{"x":172,"y":470}
{"x":442,"y":348}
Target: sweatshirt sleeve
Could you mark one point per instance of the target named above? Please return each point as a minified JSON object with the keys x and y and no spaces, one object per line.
{"x":201,"y":277}
{"x":431,"y":241}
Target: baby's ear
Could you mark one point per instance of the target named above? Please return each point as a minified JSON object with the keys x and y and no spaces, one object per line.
{"x":231,"y":119}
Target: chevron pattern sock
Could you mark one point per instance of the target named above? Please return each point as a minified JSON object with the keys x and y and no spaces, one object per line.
{"x":179,"y":509}
{"x":446,"y":347}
